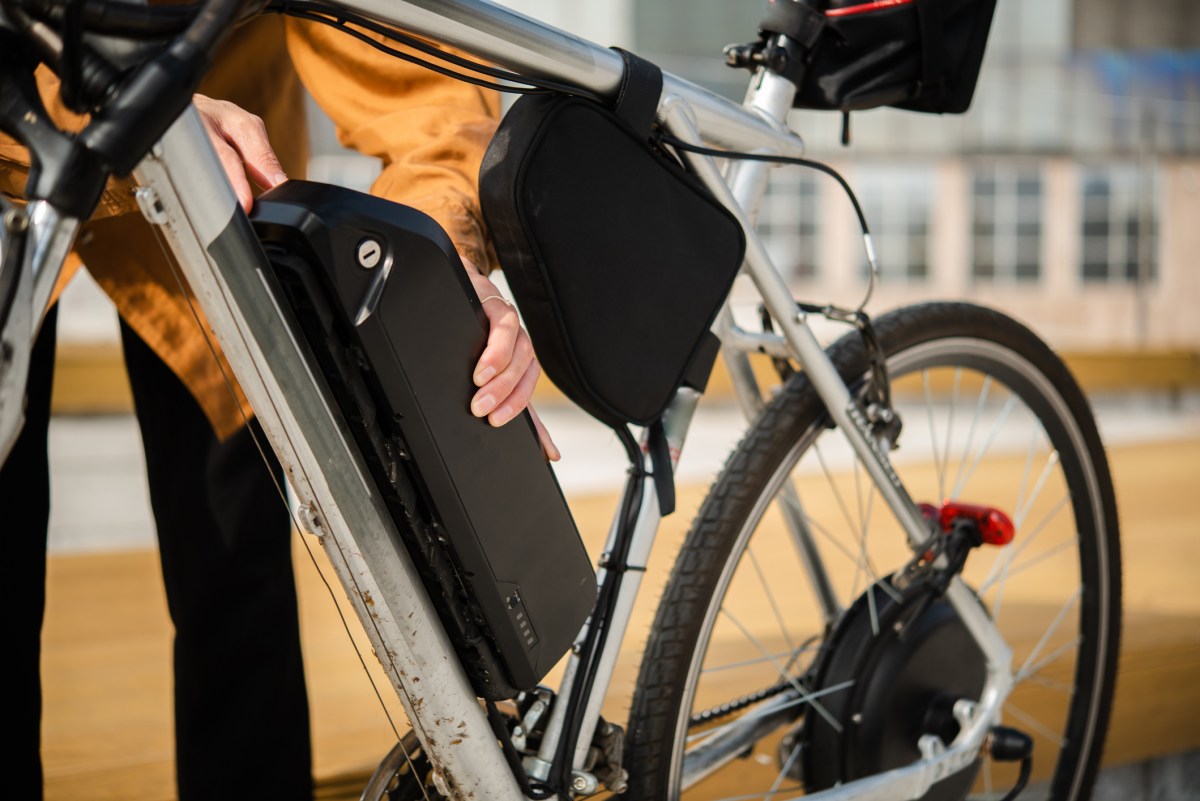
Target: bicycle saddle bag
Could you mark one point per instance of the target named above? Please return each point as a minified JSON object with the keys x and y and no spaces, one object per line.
{"x":618,"y":258}
{"x":919,"y":55}
{"x":380,"y":296}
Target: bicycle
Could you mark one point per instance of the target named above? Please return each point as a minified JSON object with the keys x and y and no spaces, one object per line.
{"x":886,"y":679}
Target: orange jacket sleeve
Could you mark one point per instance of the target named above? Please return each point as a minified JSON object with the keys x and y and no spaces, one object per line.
{"x":430,"y":131}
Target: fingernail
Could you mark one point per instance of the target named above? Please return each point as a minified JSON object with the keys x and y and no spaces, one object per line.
{"x":482,"y":405}
{"x":278,"y":179}
{"x":484,"y":376}
{"x":555,"y":455}
{"x":501,"y":416}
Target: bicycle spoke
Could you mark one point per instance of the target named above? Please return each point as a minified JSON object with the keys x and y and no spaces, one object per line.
{"x":938,"y":465}
{"x":1027,"y":472}
{"x":784,"y":771}
{"x":1002,"y":563}
{"x":841,"y":501}
{"x":1011,"y":552}
{"x":1058,"y":653}
{"x":861,"y":527}
{"x":950,"y":427}
{"x":979,"y":406}
{"x":1058,"y":619}
{"x":789,"y":654}
{"x":1034,"y":561}
{"x":797,"y":685}
{"x":1019,"y":515}
{"x":862,"y":546}
{"x":987,"y":443}
{"x":857,"y":559}
{"x":771,"y":599}
{"x":1033,"y":723}
{"x":1051,"y":684}
{"x":749,"y":717}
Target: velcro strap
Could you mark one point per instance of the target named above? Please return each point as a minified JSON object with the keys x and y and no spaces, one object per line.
{"x":660,"y":460}
{"x":640,"y":91}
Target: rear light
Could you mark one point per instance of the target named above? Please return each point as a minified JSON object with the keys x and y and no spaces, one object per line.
{"x":995,"y":527}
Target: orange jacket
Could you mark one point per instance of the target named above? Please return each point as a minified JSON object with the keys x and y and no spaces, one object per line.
{"x":429,"y":131}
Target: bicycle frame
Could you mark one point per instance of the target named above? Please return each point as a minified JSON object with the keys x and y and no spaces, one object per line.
{"x":185,"y":193}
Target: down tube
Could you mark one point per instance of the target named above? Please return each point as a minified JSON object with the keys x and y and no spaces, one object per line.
{"x":185,"y":192}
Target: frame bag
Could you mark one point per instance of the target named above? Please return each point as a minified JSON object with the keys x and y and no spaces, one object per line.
{"x":919,"y":55}
{"x":618,"y":258}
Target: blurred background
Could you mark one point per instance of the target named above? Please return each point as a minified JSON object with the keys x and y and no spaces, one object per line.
{"x":1069,"y":197}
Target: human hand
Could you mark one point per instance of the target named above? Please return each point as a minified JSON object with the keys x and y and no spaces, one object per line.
{"x":507,"y":370}
{"x":240,"y":139}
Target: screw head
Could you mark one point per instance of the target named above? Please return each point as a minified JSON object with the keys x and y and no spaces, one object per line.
{"x":370,"y":253}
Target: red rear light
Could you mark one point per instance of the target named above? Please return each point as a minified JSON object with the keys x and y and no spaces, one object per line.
{"x":995,"y":527}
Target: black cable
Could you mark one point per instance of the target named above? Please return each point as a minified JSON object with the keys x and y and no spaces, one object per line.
{"x":119,"y":18}
{"x":679,"y":144}
{"x":1022,"y":779}
{"x":581,"y":688}
{"x":340,"y":18}
{"x":71,"y":64}
{"x":500,"y":731}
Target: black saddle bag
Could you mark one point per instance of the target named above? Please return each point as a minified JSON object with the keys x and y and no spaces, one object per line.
{"x":381,"y":298}
{"x":618,"y":258}
{"x":919,"y":55}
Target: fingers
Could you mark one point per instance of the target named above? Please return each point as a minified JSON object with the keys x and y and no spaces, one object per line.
{"x":240,"y":139}
{"x":548,"y":446}
{"x":507,"y":343}
{"x":231,"y":162}
{"x":507,"y":371}
{"x":502,"y":395}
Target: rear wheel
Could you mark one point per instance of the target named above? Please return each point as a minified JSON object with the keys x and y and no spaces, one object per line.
{"x":764,"y":678}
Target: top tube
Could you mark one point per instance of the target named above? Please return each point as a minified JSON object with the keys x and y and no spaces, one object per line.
{"x":528,"y":46}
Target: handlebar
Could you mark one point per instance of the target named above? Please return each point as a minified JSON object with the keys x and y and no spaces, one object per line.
{"x":132,"y":105}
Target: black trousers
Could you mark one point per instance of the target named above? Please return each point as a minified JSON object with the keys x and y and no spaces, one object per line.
{"x":241,"y":708}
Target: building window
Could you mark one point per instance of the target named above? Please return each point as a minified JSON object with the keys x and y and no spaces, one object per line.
{"x":788,"y":222}
{"x":897,"y":201}
{"x":1006,"y":223}
{"x":1119,"y":224}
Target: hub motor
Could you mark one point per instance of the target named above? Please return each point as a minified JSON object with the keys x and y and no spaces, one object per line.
{"x":908,"y":657}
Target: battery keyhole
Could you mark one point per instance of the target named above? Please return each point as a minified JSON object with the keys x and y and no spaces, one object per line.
{"x":369,"y":254}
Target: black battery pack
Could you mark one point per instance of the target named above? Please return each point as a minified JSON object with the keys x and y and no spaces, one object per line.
{"x":380,"y":296}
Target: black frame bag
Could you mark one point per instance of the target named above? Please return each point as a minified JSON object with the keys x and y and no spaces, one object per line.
{"x":919,"y":55}
{"x":618,"y":258}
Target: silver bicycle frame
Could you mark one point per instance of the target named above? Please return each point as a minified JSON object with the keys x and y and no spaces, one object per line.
{"x":184,"y":192}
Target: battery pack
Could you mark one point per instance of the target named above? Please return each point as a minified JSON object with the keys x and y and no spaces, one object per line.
{"x":380,"y":296}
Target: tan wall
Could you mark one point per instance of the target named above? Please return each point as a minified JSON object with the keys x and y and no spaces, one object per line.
{"x":1070,"y":314}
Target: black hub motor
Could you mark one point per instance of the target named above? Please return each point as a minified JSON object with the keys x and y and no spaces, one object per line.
{"x":908,"y":658}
